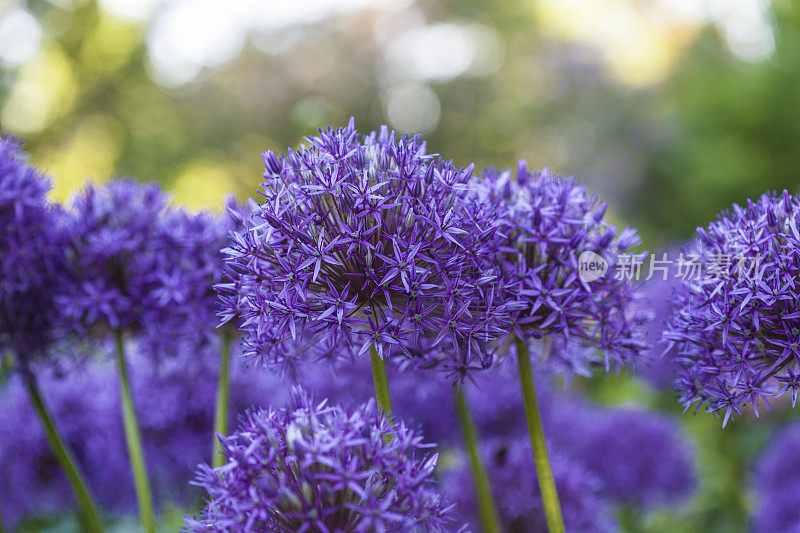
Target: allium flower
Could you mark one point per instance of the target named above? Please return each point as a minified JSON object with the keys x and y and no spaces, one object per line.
{"x":135,"y":264}
{"x":510,"y":467}
{"x":642,"y":458}
{"x":549,"y":222}
{"x":315,"y":467}
{"x":113,"y":255}
{"x":736,"y":327}
{"x":30,"y":255}
{"x":187,"y":269}
{"x":777,"y":483}
{"x":365,"y":240}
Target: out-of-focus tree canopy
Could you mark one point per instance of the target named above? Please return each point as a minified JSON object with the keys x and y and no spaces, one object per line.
{"x":671,"y":110}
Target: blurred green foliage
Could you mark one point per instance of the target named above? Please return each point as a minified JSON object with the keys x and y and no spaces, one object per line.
{"x":667,"y":154}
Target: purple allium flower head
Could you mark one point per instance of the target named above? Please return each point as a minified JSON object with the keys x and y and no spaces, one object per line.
{"x":642,"y":458}
{"x":512,"y":474}
{"x":736,"y":328}
{"x":315,"y":467}
{"x":776,"y":481}
{"x":113,"y":255}
{"x":365,"y":241}
{"x":136,"y":264}
{"x":549,"y":222}
{"x":30,"y":255}
{"x":189,"y":267}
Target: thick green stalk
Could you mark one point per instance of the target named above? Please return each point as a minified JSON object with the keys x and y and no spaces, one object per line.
{"x":380,"y":380}
{"x":223,"y":386}
{"x":89,"y":510}
{"x":134,"y":441}
{"x":483,"y":490}
{"x":629,"y":520}
{"x":547,"y":485}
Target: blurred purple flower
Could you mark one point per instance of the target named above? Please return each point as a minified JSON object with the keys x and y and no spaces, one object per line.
{"x":417,"y":400}
{"x":31,"y":255}
{"x":188,"y":268}
{"x":659,"y":368}
{"x":736,"y":327}
{"x":113,"y":255}
{"x":776,"y":481}
{"x":316,"y":467}
{"x":175,"y":407}
{"x":496,"y":402}
{"x":136,"y":264}
{"x":511,"y":472}
{"x":642,"y":458}
{"x":365,"y":241}
{"x":548,"y":222}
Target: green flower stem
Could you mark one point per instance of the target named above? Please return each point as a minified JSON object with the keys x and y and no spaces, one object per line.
{"x":134,"y":441}
{"x":380,"y":380}
{"x":630,"y":520}
{"x":486,"y":503}
{"x":89,"y":510}
{"x":223,"y":396}
{"x":547,"y":485}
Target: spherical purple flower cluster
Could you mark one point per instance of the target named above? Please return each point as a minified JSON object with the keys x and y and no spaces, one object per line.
{"x":30,"y":255}
{"x":135,"y":264}
{"x":776,"y":481}
{"x":113,"y":255}
{"x":737,"y":327}
{"x":548,"y":222}
{"x":188,"y":268}
{"x":315,"y":467}
{"x":641,"y":458}
{"x":511,"y":471}
{"x":366,"y":240}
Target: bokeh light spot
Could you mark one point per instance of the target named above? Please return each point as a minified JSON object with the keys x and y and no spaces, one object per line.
{"x":203,"y":183}
{"x":192,"y":35}
{"x":20,"y":36}
{"x":413,"y":107}
{"x":43,"y":89}
{"x":90,"y":153}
